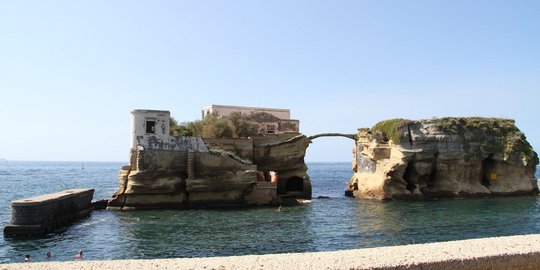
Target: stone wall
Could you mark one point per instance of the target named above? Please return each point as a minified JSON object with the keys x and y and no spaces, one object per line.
{"x":448,"y":157}
{"x":42,"y":213}
{"x":497,"y":253}
{"x":163,"y":179}
{"x":242,"y":147}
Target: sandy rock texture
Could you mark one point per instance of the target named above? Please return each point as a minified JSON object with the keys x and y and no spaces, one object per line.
{"x":512,"y":252}
{"x":222,"y":172}
{"x":444,"y":157}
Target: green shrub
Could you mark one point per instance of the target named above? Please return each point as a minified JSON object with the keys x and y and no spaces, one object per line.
{"x":496,"y":135}
{"x":213,"y":126}
{"x":391,"y":129}
{"x":181,"y":129}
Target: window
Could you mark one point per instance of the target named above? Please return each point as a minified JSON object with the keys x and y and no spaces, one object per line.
{"x":151,"y":127}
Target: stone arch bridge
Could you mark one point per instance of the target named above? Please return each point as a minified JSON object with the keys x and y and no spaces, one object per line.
{"x":350,"y":136}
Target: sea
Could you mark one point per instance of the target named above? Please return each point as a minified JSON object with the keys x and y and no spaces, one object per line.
{"x":330,"y":222}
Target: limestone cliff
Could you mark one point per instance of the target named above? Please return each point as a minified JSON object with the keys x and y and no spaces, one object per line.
{"x":446,"y":157}
{"x":220,"y":172}
{"x":279,"y":153}
{"x":284,"y":154}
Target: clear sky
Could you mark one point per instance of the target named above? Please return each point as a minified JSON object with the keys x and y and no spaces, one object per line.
{"x":71,"y":71}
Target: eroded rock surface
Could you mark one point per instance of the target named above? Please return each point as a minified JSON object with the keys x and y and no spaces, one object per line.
{"x":447,"y":157}
{"x":225,"y":173}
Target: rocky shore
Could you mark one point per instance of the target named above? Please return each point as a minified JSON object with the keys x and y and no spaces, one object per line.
{"x":511,"y":252}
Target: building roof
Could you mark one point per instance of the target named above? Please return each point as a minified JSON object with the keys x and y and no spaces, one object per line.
{"x":244,"y":107}
{"x":262,"y":117}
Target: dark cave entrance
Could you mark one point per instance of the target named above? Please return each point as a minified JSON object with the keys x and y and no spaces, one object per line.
{"x":410,"y":176}
{"x":488,"y":170}
{"x":416,"y":180}
{"x":294,"y":184}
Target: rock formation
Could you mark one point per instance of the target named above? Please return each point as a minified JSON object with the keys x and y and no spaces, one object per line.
{"x":178,"y":171}
{"x":446,"y":157}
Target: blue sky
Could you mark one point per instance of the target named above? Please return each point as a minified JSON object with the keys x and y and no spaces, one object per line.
{"x":71,"y":71}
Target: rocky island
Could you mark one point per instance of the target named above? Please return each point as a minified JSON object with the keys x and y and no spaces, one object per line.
{"x":259,"y":160}
{"x":444,"y":157}
{"x":168,"y":170}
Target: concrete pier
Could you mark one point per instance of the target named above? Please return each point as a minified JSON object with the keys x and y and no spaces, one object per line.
{"x":497,"y":253}
{"x":41,"y":214}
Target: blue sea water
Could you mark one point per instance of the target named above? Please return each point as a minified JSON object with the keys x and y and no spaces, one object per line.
{"x":335,"y":223}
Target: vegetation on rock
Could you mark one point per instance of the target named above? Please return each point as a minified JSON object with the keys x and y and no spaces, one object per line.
{"x":391,"y":129}
{"x":497,"y":135}
{"x":479,"y":135}
{"x":213,"y":126}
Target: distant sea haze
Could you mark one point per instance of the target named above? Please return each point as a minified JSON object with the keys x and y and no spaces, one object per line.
{"x":333,"y":223}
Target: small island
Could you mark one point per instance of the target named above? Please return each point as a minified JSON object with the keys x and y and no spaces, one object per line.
{"x":234,"y":156}
{"x":442,"y":157}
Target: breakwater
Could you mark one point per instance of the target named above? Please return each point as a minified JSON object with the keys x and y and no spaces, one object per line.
{"x":513,"y":252}
{"x":43,"y":213}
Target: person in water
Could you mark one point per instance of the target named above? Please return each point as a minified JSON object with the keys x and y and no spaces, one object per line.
{"x":79,"y":255}
{"x":49,"y":254}
{"x":27,"y":258}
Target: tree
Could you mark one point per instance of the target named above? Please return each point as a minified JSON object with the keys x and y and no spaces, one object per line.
{"x":181,"y":129}
{"x":213,"y":126}
{"x":241,"y":127}
{"x":246,"y":128}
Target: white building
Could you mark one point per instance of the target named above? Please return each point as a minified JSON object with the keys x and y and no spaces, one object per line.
{"x":151,"y":131}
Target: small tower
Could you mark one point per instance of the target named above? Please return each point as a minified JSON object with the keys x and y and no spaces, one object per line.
{"x":149,"y":127}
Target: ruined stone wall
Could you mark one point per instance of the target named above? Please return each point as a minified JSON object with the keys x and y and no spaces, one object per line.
{"x":242,"y":147}
{"x":171,"y":143}
{"x":163,"y":180}
{"x":449,"y":157}
{"x":192,"y":174}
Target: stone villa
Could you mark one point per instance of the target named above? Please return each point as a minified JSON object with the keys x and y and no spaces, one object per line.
{"x":270,"y":120}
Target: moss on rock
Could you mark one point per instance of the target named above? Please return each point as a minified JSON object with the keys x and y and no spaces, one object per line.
{"x":479,"y":135}
{"x":497,"y":135}
{"x":391,"y":129}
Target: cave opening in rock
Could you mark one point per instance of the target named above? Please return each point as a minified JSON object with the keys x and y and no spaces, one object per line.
{"x":295,"y":183}
{"x":410,"y":177}
{"x":433,"y":174}
{"x":488,"y":170}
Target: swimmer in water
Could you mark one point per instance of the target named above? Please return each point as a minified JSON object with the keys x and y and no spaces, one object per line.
{"x":79,"y":255}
